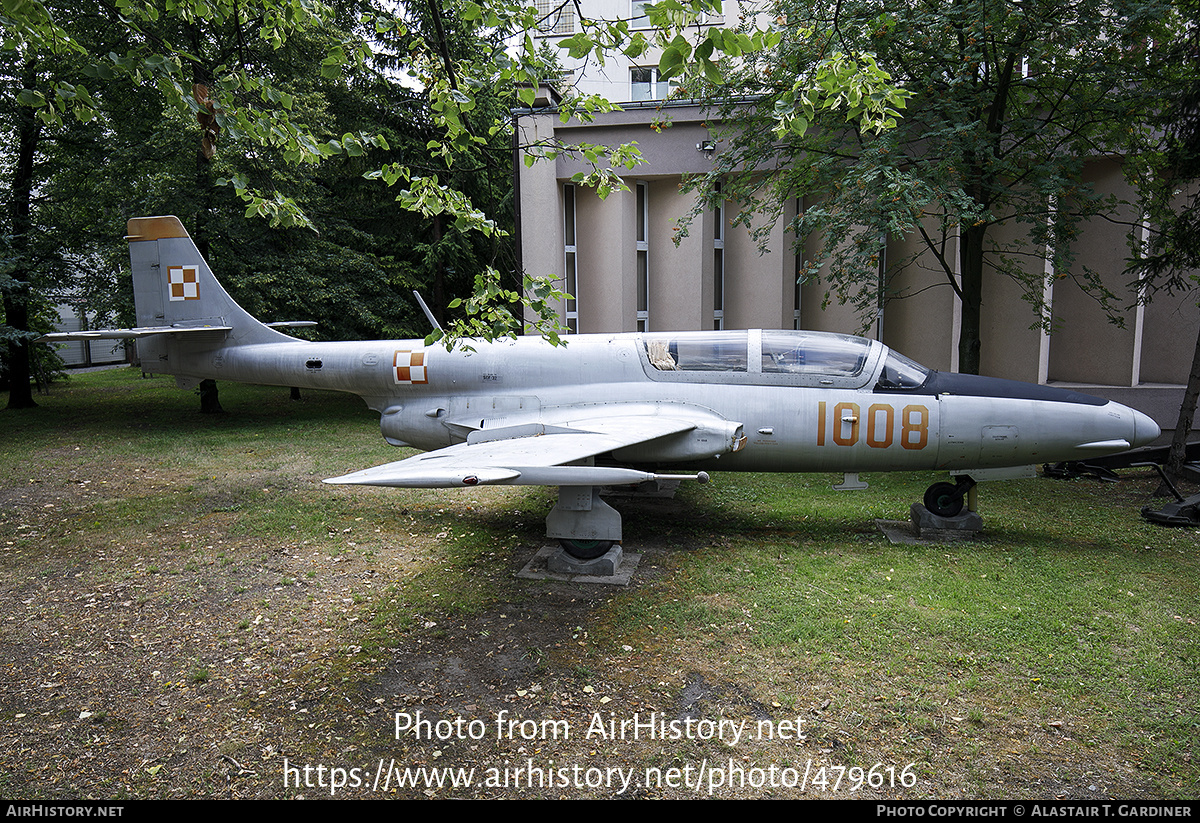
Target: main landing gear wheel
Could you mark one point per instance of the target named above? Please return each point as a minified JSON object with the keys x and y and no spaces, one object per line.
{"x":585,"y":549}
{"x":944,"y":499}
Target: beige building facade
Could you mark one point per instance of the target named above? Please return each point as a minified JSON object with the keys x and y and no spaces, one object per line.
{"x":620,"y":260}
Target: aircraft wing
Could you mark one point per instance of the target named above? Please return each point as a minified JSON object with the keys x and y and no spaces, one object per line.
{"x":532,"y":454}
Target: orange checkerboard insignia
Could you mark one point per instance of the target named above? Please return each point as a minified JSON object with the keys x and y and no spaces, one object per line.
{"x":185,"y":282}
{"x":408,"y":367}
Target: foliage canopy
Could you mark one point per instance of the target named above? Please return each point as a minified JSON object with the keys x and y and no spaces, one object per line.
{"x":1006,"y":103}
{"x":222,"y":94}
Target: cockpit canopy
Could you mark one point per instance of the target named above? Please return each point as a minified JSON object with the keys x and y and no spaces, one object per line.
{"x":797,"y":358}
{"x":800,"y":358}
{"x":833,"y":355}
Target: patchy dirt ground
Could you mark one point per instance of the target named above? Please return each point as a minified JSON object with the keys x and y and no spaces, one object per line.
{"x":184,"y":658}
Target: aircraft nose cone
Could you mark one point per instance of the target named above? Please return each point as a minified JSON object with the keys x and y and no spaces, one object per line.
{"x":1145,"y":430}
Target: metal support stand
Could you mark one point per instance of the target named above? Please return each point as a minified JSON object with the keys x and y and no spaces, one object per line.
{"x":581,"y":515}
{"x":850,"y":483}
{"x":1185,"y":511}
{"x":589,"y":531}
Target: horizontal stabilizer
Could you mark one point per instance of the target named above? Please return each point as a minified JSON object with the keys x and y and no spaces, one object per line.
{"x":125,"y":334}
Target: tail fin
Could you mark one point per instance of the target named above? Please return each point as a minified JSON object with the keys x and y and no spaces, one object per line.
{"x":174,"y":289}
{"x":173,"y":285}
{"x":182,"y":311}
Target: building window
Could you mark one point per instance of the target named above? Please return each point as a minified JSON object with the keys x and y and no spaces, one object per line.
{"x":556,"y":17}
{"x":719,"y":261}
{"x":571,"y":282}
{"x":881,"y":287}
{"x":643,"y":257}
{"x":639,"y":20}
{"x":797,"y":321}
{"x":637,"y":14}
{"x":645,"y":83}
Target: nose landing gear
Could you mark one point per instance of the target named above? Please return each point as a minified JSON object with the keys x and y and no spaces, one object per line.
{"x":948,"y":499}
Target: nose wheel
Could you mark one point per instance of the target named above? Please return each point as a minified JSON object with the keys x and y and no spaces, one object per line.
{"x":948,"y":499}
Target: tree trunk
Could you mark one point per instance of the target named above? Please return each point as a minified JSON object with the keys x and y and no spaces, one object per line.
{"x":209,"y":403}
{"x":1187,"y":411}
{"x":16,"y":313}
{"x":16,"y":301}
{"x":439,"y":273}
{"x":205,"y":182}
{"x":970,"y":258}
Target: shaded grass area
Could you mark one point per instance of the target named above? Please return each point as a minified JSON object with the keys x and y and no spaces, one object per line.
{"x":190,"y":575}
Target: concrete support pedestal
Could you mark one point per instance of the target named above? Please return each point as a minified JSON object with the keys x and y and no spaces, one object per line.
{"x":604,"y":566}
{"x":929,"y":526}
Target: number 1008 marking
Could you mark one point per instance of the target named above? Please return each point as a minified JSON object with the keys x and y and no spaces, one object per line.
{"x":881,"y":425}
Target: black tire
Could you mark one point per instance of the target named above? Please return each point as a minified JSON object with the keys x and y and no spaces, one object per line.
{"x":585,"y":549}
{"x":944,"y":500}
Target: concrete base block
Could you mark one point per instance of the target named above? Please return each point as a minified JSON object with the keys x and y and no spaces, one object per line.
{"x":538,"y":568}
{"x":927,"y":524}
{"x":604,"y":566}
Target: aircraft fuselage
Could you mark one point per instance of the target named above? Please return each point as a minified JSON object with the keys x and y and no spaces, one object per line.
{"x":797,"y":421}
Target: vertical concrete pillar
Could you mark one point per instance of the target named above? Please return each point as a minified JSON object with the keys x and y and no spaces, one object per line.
{"x":606,"y":261}
{"x":680,"y":274}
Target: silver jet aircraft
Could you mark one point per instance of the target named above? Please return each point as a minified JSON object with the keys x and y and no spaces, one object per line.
{"x":615,"y":409}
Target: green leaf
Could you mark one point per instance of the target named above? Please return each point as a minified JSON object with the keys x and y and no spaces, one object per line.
{"x":671,"y":62}
{"x":29,"y":97}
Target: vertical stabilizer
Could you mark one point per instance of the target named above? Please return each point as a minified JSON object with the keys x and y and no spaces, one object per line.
{"x":173,"y":285}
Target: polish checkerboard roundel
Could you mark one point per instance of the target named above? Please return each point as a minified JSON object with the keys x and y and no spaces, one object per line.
{"x":184,"y":282}
{"x":408,"y":367}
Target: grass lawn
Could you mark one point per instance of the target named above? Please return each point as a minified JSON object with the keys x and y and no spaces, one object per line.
{"x":189,"y":612}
